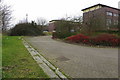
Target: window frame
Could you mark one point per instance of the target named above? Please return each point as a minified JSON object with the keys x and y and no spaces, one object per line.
{"x":108,"y":22}
{"x":115,"y":15}
{"x":109,"y":13}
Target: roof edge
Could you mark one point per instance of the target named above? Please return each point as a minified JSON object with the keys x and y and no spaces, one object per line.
{"x":100,"y":5}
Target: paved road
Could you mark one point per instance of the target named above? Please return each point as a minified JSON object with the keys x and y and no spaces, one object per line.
{"x":78,"y":61}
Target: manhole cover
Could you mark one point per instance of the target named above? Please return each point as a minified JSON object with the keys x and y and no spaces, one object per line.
{"x":62,"y":58}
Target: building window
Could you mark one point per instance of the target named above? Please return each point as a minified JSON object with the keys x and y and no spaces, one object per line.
{"x":109,"y":13}
{"x":115,"y":22}
{"x":116,"y":15}
{"x":108,"y":22}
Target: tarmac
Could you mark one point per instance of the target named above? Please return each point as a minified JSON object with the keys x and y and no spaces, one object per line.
{"x":78,"y":61}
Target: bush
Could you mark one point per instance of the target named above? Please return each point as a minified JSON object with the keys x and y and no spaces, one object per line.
{"x":103,"y":39}
{"x":62,"y":35}
{"x":25,"y":29}
{"x":47,"y":33}
{"x":80,"y":38}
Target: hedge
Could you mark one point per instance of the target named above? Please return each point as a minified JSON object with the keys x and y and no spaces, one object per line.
{"x":102,"y":39}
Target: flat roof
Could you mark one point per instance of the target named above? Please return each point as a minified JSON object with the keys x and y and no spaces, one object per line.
{"x":54,"y":20}
{"x":62,"y":20}
{"x":102,"y":6}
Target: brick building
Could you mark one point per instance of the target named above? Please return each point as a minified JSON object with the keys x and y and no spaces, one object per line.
{"x":51,"y":25}
{"x":102,"y":16}
{"x":63,"y":25}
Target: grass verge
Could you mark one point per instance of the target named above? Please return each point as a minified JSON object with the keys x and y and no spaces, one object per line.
{"x":0,"y":56}
{"x":17,"y":62}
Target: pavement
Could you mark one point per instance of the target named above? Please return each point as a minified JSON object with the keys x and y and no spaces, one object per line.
{"x":78,"y":61}
{"x":47,"y":67}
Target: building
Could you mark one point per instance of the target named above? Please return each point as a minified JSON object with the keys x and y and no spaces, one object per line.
{"x":102,"y":16}
{"x":51,"y":25}
{"x":63,"y":25}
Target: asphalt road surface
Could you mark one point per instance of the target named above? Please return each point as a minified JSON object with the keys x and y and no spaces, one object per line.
{"x":78,"y":61}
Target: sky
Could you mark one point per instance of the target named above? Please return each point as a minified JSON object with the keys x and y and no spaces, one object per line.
{"x":51,"y":9}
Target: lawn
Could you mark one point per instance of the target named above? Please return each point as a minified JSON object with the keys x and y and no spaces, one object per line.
{"x":0,"y":55}
{"x":17,"y":62}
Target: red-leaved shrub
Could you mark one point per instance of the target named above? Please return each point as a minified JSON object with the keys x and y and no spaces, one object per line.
{"x":80,"y":38}
{"x":103,"y":39}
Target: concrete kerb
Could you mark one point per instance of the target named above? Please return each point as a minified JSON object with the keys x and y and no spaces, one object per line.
{"x":48,"y":68}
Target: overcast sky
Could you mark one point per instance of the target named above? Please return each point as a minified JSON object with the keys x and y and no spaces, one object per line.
{"x":52,"y":9}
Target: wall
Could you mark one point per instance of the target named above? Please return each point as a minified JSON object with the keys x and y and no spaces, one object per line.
{"x":100,"y":15}
{"x":51,"y":26}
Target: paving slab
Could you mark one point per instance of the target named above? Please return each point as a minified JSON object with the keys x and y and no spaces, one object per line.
{"x":78,"y":61}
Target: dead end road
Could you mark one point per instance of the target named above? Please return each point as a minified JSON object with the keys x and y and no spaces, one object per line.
{"x":78,"y":61}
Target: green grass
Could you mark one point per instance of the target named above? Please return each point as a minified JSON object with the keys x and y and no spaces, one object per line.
{"x":47,"y":33}
{"x":17,"y":62}
{"x":0,"y":55}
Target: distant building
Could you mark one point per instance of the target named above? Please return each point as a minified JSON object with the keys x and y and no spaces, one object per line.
{"x":58,"y":24}
{"x":102,"y":15}
{"x":51,"y":26}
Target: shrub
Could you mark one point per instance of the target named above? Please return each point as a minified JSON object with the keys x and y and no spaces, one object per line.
{"x":103,"y":39}
{"x":25,"y":29}
{"x":62,"y":35}
{"x":79,"y":38}
{"x":47,"y":33}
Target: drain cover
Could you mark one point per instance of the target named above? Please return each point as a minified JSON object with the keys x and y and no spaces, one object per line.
{"x":62,"y":58}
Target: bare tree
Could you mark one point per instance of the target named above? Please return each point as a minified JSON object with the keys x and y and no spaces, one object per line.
{"x":74,"y":23}
{"x":77,"y":19}
{"x":5,"y":16}
{"x":41,"y":22}
{"x":69,"y":24}
{"x":94,"y":22}
{"x":78,"y":22}
{"x":0,"y":15}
